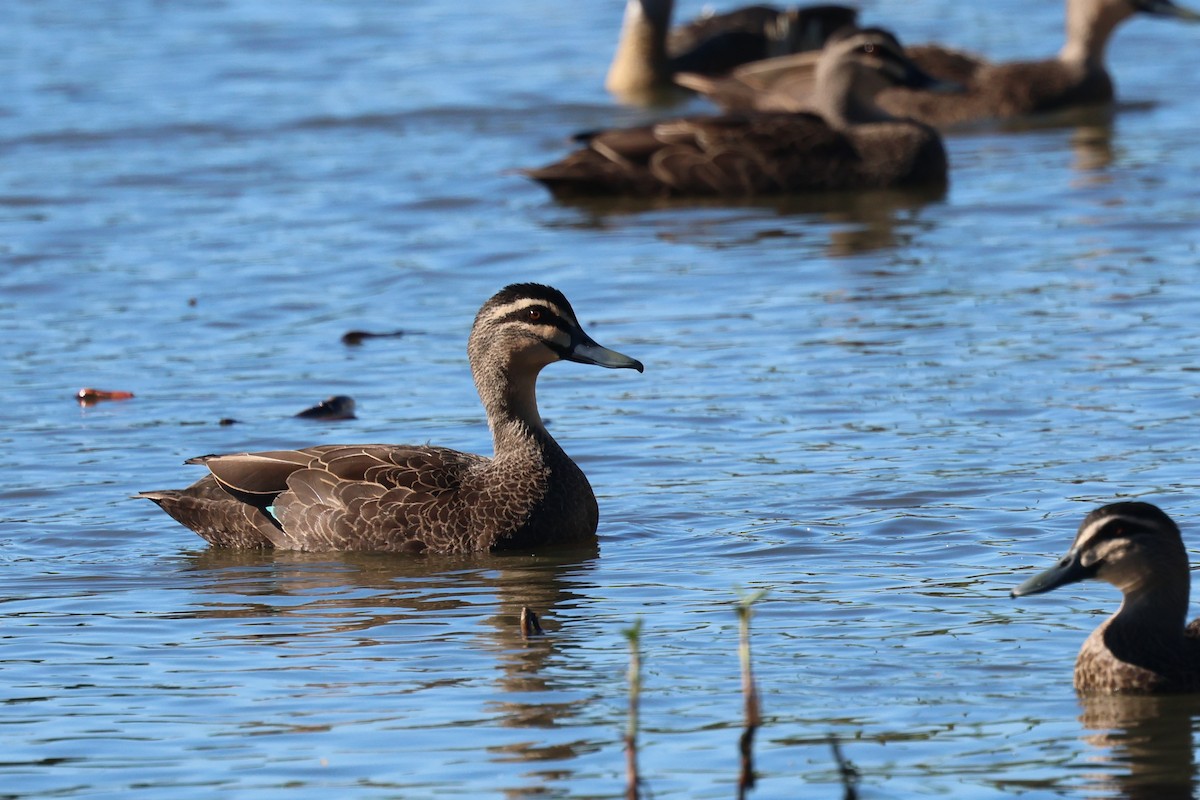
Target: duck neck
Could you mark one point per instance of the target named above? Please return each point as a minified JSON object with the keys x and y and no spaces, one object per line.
{"x":509,"y":395}
{"x":640,"y":64}
{"x":1153,"y":608}
{"x":841,"y":103}
{"x":1090,"y":25}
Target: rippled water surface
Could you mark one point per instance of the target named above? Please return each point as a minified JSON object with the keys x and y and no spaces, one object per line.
{"x":887,"y":414}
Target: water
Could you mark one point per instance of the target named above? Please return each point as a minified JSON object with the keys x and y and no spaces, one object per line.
{"x":887,"y":415}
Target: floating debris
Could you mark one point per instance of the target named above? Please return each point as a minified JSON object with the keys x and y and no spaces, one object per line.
{"x":228,"y":421}
{"x":340,"y":406}
{"x":89,"y":397}
{"x":354,"y":338}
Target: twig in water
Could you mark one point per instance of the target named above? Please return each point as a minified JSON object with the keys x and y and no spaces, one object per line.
{"x":752,"y":711}
{"x":847,"y":770}
{"x":633,"y":634}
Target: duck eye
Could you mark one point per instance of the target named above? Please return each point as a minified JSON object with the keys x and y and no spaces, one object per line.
{"x":533,"y":314}
{"x":869,"y":49}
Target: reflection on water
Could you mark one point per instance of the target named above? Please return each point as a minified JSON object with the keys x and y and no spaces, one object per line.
{"x":1144,"y":743}
{"x":857,"y":222}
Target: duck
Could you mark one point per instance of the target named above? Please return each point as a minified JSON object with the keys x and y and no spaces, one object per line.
{"x":992,"y":93}
{"x":422,"y":498}
{"x":846,"y":143}
{"x":649,"y":52}
{"x":1076,"y":78}
{"x":1147,"y":647}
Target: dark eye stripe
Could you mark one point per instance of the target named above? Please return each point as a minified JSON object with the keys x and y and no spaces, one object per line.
{"x":548,"y":317}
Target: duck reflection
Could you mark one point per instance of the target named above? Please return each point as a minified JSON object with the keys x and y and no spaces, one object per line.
{"x":860,"y":222}
{"x":356,"y":593}
{"x":1092,"y":146}
{"x":1145,"y":743}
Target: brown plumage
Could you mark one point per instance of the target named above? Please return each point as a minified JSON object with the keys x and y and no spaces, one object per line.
{"x":1146,"y":647}
{"x":847,"y":144}
{"x":405,"y":498}
{"x":648,"y":54}
{"x":1076,"y":78}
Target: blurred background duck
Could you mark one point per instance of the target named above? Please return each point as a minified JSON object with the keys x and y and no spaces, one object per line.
{"x":649,"y":53}
{"x":420,"y":498}
{"x":847,"y":143}
{"x":1147,"y":646}
{"x":1077,"y":78}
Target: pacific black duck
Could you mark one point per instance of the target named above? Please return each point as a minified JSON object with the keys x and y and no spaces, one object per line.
{"x":1148,"y":646}
{"x":848,"y":143}
{"x":419,"y":498}
{"x":1076,"y":78}
{"x":649,"y":53}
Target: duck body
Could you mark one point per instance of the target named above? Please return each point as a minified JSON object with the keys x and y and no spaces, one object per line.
{"x":997,"y":92}
{"x":403,"y":498}
{"x":748,"y":156}
{"x":845,"y":144}
{"x":1146,"y":647}
{"x":649,"y":52}
{"x":1077,"y":77}
{"x":992,"y":92}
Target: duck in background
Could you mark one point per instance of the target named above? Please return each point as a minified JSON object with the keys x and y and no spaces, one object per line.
{"x":1076,"y":78}
{"x":649,"y":53}
{"x":1148,"y":646}
{"x":847,"y":143}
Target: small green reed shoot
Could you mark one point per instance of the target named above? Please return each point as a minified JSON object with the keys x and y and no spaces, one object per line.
{"x":633,"y":634}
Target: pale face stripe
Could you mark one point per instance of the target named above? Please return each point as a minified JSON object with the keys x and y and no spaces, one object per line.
{"x":513,"y":312}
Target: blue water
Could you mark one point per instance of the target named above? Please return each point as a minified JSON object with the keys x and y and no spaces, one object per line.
{"x":885,"y":415}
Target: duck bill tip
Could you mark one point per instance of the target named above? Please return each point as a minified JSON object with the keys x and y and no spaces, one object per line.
{"x":1167,"y":8}
{"x":592,"y":353}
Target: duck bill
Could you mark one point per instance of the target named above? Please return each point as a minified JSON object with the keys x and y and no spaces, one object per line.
{"x":1166,"y":8}
{"x":586,"y":351}
{"x":1067,"y":570}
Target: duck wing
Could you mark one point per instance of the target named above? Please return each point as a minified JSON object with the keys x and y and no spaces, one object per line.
{"x":332,"y":497}
{"x":784,"y":83}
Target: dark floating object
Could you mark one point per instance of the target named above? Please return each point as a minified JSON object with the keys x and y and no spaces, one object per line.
{"x":1145,"y":648}
{"x":228,"y":421}
{"x":529,"y":623}
{"x":848,"y":143}
{"x":89,"y":397}
{"x":356,"y":337}
{"x":340,"y":406}
{"x":421,"y":498}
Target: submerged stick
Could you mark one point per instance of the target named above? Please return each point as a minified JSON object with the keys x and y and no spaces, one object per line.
{"x":633,"y":634}
{"x":751,"y":707}
{"x":846,"y":769}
